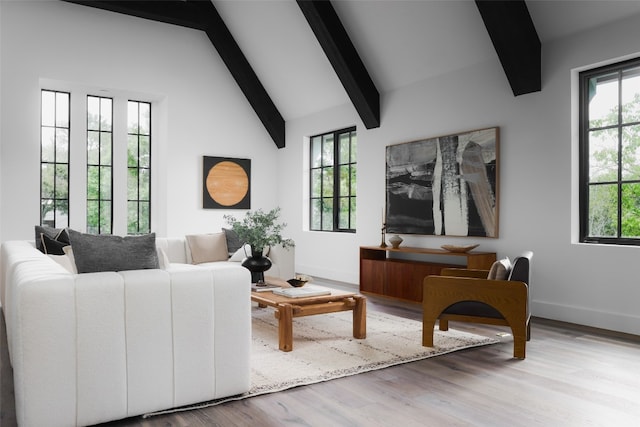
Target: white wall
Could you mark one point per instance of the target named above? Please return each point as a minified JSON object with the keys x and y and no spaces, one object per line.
{"x":586,"y":284}
{"x":199,"y":109}
{"x":1,"y":115}
{"x":204,"y":113}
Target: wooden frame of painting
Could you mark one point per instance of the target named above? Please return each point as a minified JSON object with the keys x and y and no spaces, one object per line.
{"x":226,"y":183}
{"x":447,"y":185}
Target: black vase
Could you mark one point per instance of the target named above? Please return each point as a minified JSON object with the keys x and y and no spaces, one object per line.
{"x":257,"y":264}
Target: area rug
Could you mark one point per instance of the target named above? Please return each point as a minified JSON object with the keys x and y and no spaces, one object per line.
{"x":324,"y":349}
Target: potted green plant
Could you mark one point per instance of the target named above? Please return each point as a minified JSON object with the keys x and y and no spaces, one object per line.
{"x":260,"y":230}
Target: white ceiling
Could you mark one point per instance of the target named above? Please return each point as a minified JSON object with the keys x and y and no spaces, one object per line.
{"x":399,"y":41}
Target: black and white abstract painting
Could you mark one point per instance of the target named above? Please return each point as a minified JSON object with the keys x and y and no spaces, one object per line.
{"x":445,"y":186}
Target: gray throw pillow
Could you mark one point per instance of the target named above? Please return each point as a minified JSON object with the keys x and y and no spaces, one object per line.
{"x":233,"y":241}
{"x":95,"y":253}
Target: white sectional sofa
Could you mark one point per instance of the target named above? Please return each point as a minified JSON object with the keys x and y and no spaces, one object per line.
{"x":93,"y":347}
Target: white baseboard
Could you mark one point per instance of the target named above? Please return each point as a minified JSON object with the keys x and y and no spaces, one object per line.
{"x":620,"y":322}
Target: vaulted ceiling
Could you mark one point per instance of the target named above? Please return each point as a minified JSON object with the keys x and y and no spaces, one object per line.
{"x":294,"y":58}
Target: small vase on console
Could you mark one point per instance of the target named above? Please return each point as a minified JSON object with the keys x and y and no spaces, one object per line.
{"x":395,"y":241}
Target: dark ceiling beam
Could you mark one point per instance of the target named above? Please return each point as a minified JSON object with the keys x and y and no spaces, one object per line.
{"x":169,"y":11}
{"x":241,"y":71}
{"x":344,"y":58}
{"x":202,"y":15}
{"x":516,"y":42}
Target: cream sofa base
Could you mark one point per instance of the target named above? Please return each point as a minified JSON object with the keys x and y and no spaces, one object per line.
{"x":94,"y":347}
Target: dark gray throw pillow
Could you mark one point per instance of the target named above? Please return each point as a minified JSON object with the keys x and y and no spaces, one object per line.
{"x":233,"y":241}
{"x":52,"y":246}
{"x":56,"y":234}
{"x":104,"y":252}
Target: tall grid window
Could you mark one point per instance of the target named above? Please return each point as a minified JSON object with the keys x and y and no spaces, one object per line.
{"x":333,"y":181}
{"x":54,"y":158}
{"x":99,"y":165}
{"x":610,"y":154}
{"x":139,"y":167}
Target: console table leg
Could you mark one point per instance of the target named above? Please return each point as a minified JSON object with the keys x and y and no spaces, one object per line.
{"x":360,"y":317}
{"x":285,"y":327}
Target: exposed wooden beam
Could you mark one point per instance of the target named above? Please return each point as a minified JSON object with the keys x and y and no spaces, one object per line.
{"x":344,"y":58}
{"x":516,"y":42}
{"x":202,"y":15}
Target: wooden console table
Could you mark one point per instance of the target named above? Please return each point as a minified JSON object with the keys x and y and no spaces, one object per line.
{"x":382,"y":274}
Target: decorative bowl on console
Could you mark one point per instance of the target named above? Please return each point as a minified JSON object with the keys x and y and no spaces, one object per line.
{"x":459,"y":249}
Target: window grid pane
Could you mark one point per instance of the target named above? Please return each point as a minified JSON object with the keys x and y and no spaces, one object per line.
{"x":333,"y":181}
{"x":631,"y":152}
{"x":602,"y":210}
{"x":99,"y":165}
{"x":630,"y":95}
{"x":139,"y":168}
{"x":630,"y":218}
{"x":54,"y":158}
{"x":610,"y":154}
{"x":603,"y":106}
{"x":603,"y":152}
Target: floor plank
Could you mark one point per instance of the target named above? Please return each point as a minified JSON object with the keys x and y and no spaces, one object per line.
{"x":573,"y":376}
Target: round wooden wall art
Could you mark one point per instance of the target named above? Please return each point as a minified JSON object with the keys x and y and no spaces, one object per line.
{"x":226,"y":183}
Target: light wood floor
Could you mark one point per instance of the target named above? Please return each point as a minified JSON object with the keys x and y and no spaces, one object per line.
{"x":573,"y":376}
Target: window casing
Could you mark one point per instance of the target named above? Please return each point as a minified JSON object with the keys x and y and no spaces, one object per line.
{"x":610,"y":154}
{"x":99,"y":165}
{"x":112,"y":124}
{"x":55,"y":125}
{"x":139,"y":167}
{"x":333,"y":181}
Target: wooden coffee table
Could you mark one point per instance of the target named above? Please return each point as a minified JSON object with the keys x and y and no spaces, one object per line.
{"x":288,"y":308}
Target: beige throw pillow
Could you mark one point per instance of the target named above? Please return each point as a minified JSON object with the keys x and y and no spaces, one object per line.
{"x":500,"y":269}
{"x":208,"y":247}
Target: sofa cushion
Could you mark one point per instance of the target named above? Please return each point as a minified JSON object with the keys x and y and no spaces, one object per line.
{"x":208,"y":247}
{"x":473,"y":308}
{"x":176,"y":249}
{"x":500,"y":269}
{"x":93,"y":253}
{"x":64,"y":261}
{"x":163,"y":259}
